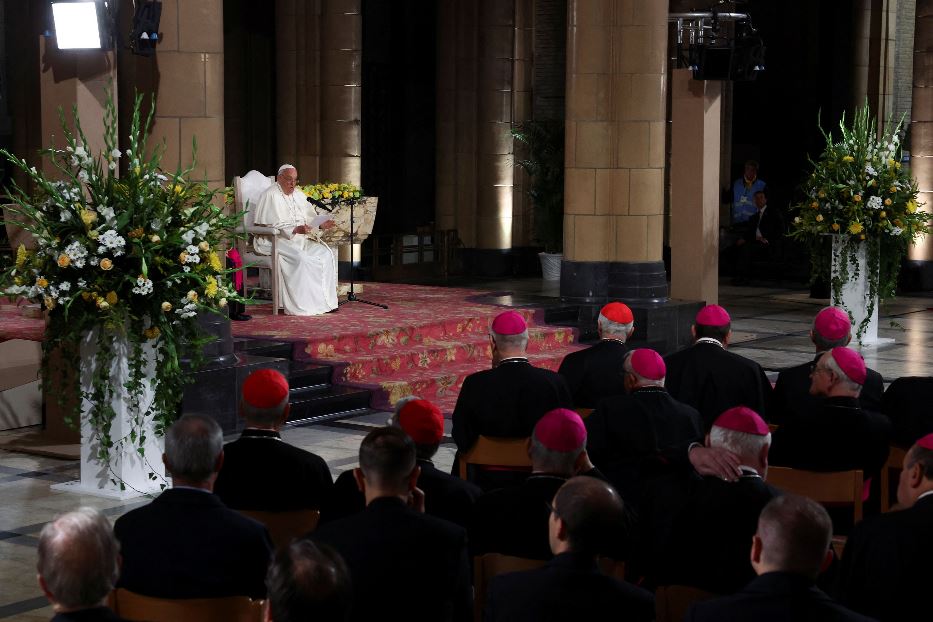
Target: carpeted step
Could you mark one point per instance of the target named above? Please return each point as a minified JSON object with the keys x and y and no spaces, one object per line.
{"x":433,"y":354}
{"x":442,"y":385}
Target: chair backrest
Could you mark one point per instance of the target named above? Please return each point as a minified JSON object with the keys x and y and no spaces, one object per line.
{"x":837,"y":487}
{"x":584,"y":412}
{"x":283,"y":526}
{"x":490,"y":451}
{"x":672,"y":601}
{"x":132,"y":606}
{"x":485,"y":567}
{"x":246,"y":192}
{"x":895,"y":463}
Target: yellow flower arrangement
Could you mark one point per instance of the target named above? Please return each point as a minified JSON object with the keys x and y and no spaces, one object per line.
{"x":210,"y":288}
{"x":213,"y":260}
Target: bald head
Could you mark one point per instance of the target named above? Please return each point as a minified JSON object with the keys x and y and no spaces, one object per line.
{"x":78,"y":559}
{"x":592,"y":514}
{"x":795,"y":534}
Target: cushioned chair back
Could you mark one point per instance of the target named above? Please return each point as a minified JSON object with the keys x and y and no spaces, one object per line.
{"x":672,"y":601}
{"x":893,"y":465}
{"x":132,"y":606}
{"x":490,"y":451}
{"x":485,"y":567}
{"x":283,"y":526}
{"x":833,"y":488}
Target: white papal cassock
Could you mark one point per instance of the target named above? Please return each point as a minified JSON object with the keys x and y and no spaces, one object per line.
{"x":307,"y":266}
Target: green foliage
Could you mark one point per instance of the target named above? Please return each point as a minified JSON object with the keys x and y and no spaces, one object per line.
{"x":545,"y":166}
{"x":132,"y":257}
{"x":859,"y":190}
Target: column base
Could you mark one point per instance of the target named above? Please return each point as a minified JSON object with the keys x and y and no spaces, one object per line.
{"x":598,"y":282}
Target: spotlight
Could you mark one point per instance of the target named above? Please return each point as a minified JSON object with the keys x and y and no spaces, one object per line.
{"x":83,"y":25}
{"x":145,"y":33}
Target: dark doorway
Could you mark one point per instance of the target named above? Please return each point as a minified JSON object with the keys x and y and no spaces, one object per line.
{"x":398,"y":109}
{"x":249,"y":87}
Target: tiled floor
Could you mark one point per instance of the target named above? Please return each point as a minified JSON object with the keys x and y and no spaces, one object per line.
{"x":770,"y":326}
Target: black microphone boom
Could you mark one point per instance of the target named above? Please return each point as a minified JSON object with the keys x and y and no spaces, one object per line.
{"x":317,"y":203}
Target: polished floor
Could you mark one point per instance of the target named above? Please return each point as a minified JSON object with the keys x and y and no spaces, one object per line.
{"x":770,"y":326}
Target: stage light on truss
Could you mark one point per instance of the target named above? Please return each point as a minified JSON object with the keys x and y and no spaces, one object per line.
{"x":82,"y":25}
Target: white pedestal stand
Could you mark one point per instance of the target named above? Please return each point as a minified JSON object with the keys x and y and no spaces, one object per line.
{"x":127,"y":466}
{"x":855,"y":294}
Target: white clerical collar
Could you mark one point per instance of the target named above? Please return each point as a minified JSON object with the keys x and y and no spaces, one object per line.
{"x":926,"y":494}
{"x":748,"y":471}
{"x":514,"y":359}
{"x":711,"y":340}
{"x":613,"y":339}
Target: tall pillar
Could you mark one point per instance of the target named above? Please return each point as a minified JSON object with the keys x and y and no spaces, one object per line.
{"x":695,"y":162}
{"x":921,"y":132}
{"x":875,"y":56}
{"x":69,"y":79}
{"x":341,"y":80}
{"x":466,"y":115}
{"x":522,"y":73}
{"x":494,"y":163}
{"x":445,"y":162}
{"x":614,"y":153}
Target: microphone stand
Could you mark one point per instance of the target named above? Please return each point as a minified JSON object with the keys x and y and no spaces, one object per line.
{"x":351,"y":295}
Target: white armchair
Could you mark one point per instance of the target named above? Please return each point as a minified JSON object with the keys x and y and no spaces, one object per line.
{"x":247,"y":190}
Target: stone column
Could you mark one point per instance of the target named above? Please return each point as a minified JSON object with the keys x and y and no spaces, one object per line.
{"x":695,"y":129}
{"x":187,"y":73}
{"x":875,"y":56}
{"x":466,"y":125}
{"x":615,"y":148}
{"x":921,"y":131}
{"x":445,"y":162}
{"x":522,"y":73}
{"x":341,"y":79}
{"x":73,"y":78}
{"x":494,"y":175}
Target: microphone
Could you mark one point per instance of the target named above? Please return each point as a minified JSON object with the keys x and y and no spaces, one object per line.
{"x":317,"y":203}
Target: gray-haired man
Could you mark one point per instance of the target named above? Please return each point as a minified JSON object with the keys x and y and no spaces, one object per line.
{"x":186,"y":543}
{"x":79,"y":562}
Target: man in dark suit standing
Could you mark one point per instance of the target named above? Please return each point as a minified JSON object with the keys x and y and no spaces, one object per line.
{"x":79,"y":562}
{"x":596,"y":372}
{"x":709,"y":377}
{"x":645,"y":433}
{"x":508,"y":399}
{"x":513,"y":520}
{"x":261,"y":471}
{"x":837,"y":435}
{"x":907,"y":404}
{"x":791,"y":397}
{"x":445,"y":496}
{"x":707,"y":546}
{"x":789,"y":550}
{"x":186,"y":543}
{"x":392,"y":545}
{"x":885,"y":569}
{"x":762,"y":238}
{"x":583,"y":515}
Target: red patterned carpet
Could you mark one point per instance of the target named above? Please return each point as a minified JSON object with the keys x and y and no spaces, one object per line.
{"x":425,"y":344}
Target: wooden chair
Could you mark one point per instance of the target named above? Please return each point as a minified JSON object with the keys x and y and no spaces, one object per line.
{"x":772,"y":427}
{"x":895,"y":463}
{"x":584,"y":412}
{"x":838,"y":487}
{"x":249,"y":230}
{"x":485,"y":567}
{"x":283,"y":526}
{"x":132,"y":606}
{"x":672,"y":601}
{"x":489,"y":451}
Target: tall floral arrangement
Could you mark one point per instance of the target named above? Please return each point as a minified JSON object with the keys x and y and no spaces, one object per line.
{"x":859,"y":190}
{"x":136,"y":255}
{"x":329,"y":192}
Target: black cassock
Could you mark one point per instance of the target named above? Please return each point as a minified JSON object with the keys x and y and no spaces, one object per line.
{"x":907,"y":404}
{"x":506,"y":401}
{"x":713,"y":380}
{"x":792,"y":397}
{"x":595,"y":373}
{"x":631,"y":438}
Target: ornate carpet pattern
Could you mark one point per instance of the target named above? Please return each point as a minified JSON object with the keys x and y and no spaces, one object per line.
{"x":425,"y":344}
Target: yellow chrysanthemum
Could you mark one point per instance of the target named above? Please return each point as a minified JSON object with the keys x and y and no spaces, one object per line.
{"x":42,"y":282}
{"x":88,"y":217}
{"x":106,"y":264}
{"x":855,"y":227}
{"x":210,"y":289}
{"x":911,"y":206}
{"x":214,"y":262}
{"x":64,"y":260}
{"x":848,"y":158}
{"x":112,"y":297}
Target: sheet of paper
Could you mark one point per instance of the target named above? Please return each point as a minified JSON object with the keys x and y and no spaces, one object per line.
{"x":320,"y":219}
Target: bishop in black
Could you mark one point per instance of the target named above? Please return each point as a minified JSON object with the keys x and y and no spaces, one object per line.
{"x":907,"y":404}
{"x":709,"y":377}
{"x":508,"y":399}
{"x":595,"y":373}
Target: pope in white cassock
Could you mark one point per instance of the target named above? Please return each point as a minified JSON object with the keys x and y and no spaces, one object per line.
{"x":307,"y":266}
